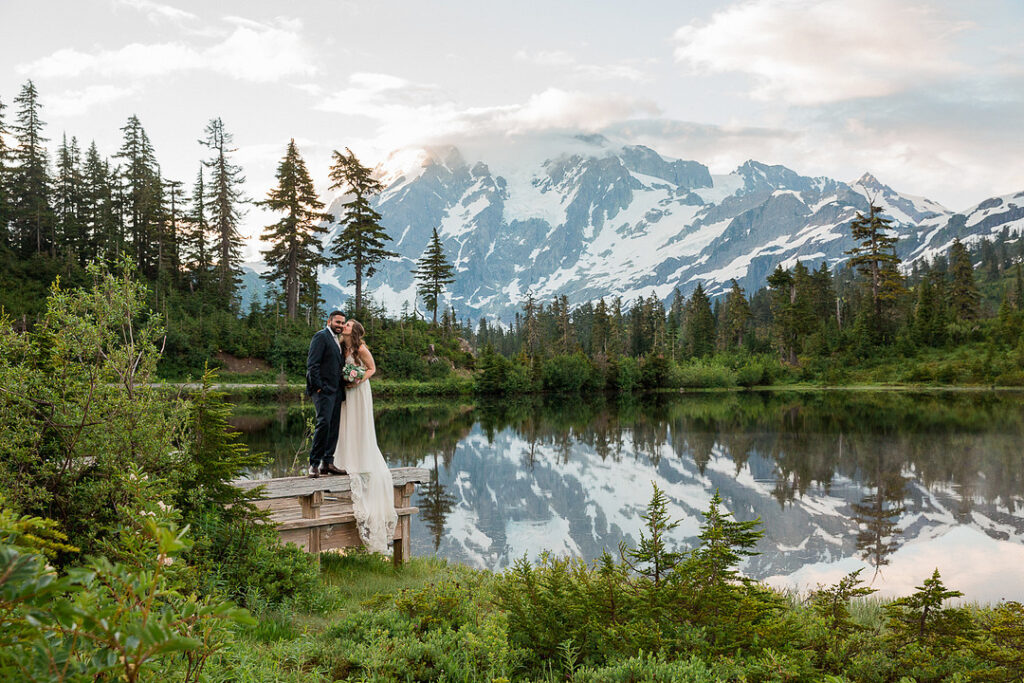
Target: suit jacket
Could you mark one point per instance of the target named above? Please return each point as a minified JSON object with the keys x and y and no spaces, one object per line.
{"x":323,"y":364}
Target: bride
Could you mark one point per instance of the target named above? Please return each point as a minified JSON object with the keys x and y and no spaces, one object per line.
{"x":373,"y":495}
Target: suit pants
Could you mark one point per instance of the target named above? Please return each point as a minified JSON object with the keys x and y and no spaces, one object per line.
{"x":325,"y":430}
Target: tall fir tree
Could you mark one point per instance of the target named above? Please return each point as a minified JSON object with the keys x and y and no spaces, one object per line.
{"x":196,"y":246}
{"x":433,"y":273}
{"x":736,"y":317}
{"x":98,"y":213}
{"x":929,"y":324}
{"x":169,"y":260}
{"x":616,"y":328}
{"x":295,"y":251}
{"x":143,"y":195}
{"x":360,"y":242}
{"x":964,"y":297}
{"x":31,"y":182}
{"x":69,"y":202}
{"x":531,"y":326}
{"x":674,"y":322}
{"x":786,"y":313}
{"x":824,"y":295}
{"x":699,"y":327}
{"x":1018,"y":287}
{"x":599,"y":330}
{"x":874,"y":256}
{"x":224,"y":199}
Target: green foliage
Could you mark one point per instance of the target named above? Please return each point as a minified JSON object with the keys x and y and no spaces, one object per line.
{"x":77,"y":413}
{"x":655,"y":372}
{"x":702,"y":374}
{"x":107,"y":619}
{"x":294,"y":257}
{"x":433,"y":272}
{"x":360,"y":242}
{"x":214,"y":457}
{"x":243,"y":559}
{"x":568,"y":374}
{"x":652,"y":558}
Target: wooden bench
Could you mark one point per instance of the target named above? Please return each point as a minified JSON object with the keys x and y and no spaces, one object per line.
{"x":316,"y":514}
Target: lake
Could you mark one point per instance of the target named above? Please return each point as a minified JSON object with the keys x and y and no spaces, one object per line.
{"x":896,"y":483}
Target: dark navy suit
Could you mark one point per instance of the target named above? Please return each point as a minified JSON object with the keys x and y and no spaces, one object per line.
{"x":323,"y":384}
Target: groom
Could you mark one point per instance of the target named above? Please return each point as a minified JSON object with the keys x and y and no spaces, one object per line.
{"x":323,"y":385}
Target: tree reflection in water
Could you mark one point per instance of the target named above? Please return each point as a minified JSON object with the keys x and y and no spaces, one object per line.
{"x":879,"y":454}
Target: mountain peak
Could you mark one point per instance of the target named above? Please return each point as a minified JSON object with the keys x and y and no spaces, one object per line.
{"x":870,"y":181}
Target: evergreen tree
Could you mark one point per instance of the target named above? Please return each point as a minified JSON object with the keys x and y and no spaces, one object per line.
{"x":674,"y":323}
{"x":169,"y":257}
{"x":929,"y":326}
{"x":963,"y":292}
{"x":360,"y":242}
{"x":783,"y":296}
{"x":824,"y":295}
{"x":599,"y":329}
{"x":143,"y":195}
{"x":33,"y":214}
{"x":699,"y":327}
{"x":433,"y":272}
{"x":875,"y":258}
{"x":1018,"y":287}
{"x":531,"y":328}
{"x":563,"y":325}
{"x":98,"y":214}
{"x":616,"y":328}
{"x":724,"y":542}
{"x":295,"y":252}
{"x":652,"y":557}
{"x":68,"y":201}
{"x":736,"y":317}
{"x":195,"y":239}
{"x":223,"y":210}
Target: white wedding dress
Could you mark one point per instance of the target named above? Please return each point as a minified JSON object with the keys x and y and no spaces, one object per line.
{"x":373,"y":494}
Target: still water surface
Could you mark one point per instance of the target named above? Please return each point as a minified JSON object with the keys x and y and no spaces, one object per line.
{"x":895,"y":483}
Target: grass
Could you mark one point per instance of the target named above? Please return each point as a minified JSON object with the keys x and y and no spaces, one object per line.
{"x":357,"y":577}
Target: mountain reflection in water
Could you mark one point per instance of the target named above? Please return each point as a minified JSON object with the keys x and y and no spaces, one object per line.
{"x":898,"y":483}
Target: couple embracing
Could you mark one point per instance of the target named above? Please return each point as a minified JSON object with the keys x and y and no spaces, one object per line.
{"x":338,"y":369}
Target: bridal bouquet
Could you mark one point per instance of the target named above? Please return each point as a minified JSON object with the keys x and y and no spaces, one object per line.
{"x":352,"y":372}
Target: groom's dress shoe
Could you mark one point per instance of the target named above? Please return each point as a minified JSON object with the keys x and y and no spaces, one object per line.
{"x":313,"y":472}
{"x":331,"y":469}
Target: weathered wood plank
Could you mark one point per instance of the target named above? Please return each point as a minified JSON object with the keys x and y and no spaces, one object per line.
{"x":349,"y":518}
{"x":287,"y":487}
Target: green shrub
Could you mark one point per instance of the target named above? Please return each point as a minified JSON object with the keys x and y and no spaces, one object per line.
{"x":654,"y":372}
{"x":700,"y":374}
{"x":623,"y":374}
{"x":401,"y":364}
{"x":567,"y":374}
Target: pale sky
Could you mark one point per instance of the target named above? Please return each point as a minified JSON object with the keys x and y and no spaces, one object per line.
{"x":928,"y":96}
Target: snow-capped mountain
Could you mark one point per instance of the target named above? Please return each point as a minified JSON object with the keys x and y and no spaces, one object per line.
{"x":582,"y":217}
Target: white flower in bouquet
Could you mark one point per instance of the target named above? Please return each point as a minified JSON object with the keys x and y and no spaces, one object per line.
{"x":352,"y":372}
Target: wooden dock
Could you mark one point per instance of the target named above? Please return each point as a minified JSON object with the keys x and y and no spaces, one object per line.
{"x":316,"y":514}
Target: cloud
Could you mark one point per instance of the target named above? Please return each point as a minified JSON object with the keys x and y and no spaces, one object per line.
{"x":252,"y":52}
{"x":414,"y":113}
{"x":814,"y":51}
{"x":559,"y":59}
{"x":156,"y":11}
{"x":262,"y":53}
{"x":135,"y":60}
{"x":77,"y":102}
